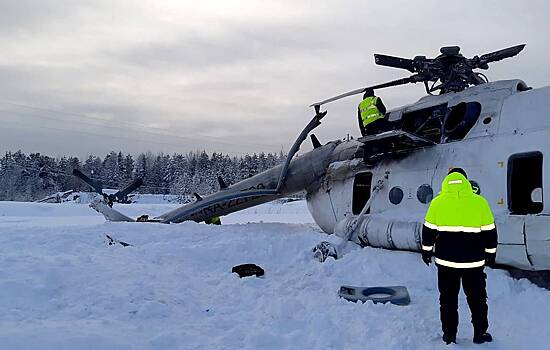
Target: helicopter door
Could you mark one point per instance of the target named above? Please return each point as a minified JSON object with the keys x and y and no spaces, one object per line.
{"x":361,"y":191}
{"x":525,"y":183}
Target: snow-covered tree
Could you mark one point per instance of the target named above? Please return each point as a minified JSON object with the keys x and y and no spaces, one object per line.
{"x":35,"y":176}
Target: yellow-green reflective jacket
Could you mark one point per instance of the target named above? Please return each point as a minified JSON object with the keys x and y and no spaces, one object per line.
{"x":460,"y":225}
{"x":213,"y":221}
{"x":368,"y":110}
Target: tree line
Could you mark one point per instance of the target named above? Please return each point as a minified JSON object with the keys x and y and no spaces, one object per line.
{"x":31,"y":177}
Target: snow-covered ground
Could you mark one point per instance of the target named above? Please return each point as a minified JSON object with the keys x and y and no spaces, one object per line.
{"x":62,"y":287}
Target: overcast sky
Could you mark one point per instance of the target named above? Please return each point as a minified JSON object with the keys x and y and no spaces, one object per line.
{"x":82,"y":77}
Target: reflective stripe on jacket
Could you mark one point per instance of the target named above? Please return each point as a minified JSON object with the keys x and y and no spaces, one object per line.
{"x":460,"y":225}
{"x":368,"y":110}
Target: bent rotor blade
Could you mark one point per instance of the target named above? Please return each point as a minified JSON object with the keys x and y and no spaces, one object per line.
{"x":394,"y":62}
{"x":129,"y":189}
{"x":501,"y":54}
{"x":351,"y":93}
{"x":96,"y":185}
{"x":412,"y":79}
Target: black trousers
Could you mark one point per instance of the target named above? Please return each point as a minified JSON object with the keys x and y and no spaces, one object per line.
{"x":473,"y":282}
{"x":377,"y":126}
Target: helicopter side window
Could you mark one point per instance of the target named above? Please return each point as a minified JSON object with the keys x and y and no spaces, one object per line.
{"x":460,"y":120}
{"x":425,"y":193}
{"x":396,"y":195}
{"x":361,"y":192}
{"x":525,"y":183}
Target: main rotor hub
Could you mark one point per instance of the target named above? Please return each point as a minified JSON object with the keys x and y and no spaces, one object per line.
{"x":450,"y":50}
{"x":448,"y":72}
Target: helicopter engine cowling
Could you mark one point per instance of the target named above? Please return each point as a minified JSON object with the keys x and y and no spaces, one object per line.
{"x":381,"y":232}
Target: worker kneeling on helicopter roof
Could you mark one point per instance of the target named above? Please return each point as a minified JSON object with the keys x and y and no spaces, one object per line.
{"x":461,"y":227}
{"x":371,"y":113}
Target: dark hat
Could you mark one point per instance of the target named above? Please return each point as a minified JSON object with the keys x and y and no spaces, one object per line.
{"x":458,"y":170}
{"x":368,"y":92}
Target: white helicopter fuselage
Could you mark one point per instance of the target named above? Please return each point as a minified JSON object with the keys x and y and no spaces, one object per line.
{"x":498,"y":132}
{"x":503,"y":152}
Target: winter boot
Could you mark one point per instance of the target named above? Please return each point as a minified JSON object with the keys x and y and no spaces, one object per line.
{"x":483,"y":338}
{"x":449,"y":338}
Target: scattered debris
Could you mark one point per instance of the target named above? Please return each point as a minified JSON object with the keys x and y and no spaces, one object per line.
{"x":113,"y":241}
{"x":397,"y":295}
{"x":143,"y":218}
{"x":246,"y":270}
{"x":324,"y":250}
{"x":60,"y":197}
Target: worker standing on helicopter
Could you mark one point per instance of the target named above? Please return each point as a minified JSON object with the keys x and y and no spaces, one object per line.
{"x":460,"y":225}
{"x":371,"y":113}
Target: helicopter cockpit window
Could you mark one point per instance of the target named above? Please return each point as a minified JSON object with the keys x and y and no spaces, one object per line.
{"x":460,"y":119}
{"x":426,"y":123}
{"x":361,"y":191}
{"x":425,"y":193}
{"x":525,"y":183}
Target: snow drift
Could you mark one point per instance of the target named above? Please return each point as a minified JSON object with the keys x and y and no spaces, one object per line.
{"x":62,"y":287}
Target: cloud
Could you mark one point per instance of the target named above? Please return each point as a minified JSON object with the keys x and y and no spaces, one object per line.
{"x":27,"y":16}
{"x":230,"y":76}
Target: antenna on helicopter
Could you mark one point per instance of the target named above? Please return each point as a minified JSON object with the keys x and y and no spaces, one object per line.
{"x":448,"y":72}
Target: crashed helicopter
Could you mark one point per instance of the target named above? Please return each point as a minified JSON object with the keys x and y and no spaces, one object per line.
{"x":375,"y":190}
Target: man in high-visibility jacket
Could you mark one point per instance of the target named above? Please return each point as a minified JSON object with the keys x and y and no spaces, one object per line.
{"x":215,"y":220}
{"x":371,"y":113}
{"x":460,"y":226}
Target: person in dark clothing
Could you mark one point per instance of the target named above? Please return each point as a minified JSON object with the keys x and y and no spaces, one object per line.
{"x":461,"y":227}
{"x":371,"y":114}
